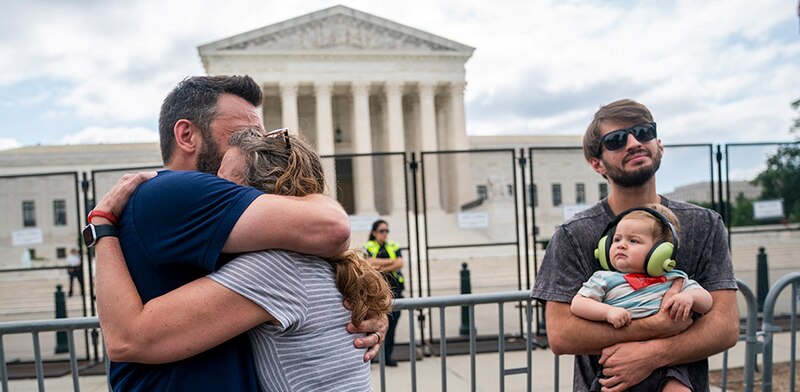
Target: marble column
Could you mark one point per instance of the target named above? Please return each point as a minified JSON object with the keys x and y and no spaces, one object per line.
{"x":325,"y":143}
{"x":427,"y":117}
{"x":396,"y":143}
{"x":394,"y":117}
{"x":458,"y":140}
{"x":458,"y":130}
{"x":260,"y":109}
{"x":362,"y":144}
{"x":289,"y":107}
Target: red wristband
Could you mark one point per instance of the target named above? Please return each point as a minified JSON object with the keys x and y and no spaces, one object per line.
{"x":102,"y":214}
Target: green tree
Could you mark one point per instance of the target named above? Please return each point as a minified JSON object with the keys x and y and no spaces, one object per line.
{"x":781,"y":178}
{"x":742,"y":212}
{"x":796,"y":125}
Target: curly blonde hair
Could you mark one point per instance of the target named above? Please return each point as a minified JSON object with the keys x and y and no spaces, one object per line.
{"x":287,"y":165}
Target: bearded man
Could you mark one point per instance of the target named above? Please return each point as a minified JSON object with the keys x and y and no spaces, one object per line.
{"x":621,"y":144}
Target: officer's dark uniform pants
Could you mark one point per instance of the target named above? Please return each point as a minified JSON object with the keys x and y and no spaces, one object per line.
{"x":394,"y":317}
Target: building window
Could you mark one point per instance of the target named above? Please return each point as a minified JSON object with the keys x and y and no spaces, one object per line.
{"x":59,"y":212}
{"x":483,"y":192}
{"x":533,"y":198}
{"x":61,"y":253}
{"x":556,"y":195}
{"x":28,"y":213}
{"x":603,"y":190}
{"x":580,"y":193}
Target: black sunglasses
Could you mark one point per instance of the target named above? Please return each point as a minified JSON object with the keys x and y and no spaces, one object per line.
{"x":383,"y":231}
{"x":615,"y":140}
{"x":280,"y":132}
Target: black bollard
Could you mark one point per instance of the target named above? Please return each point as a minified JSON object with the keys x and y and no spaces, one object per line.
{"x":762,"y":277}
{"x":466,"y":288}
{"x":61,"y":312}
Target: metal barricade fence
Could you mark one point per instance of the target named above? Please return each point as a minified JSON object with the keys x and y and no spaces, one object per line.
{"x":37,"y":327}
{"x":751,"y":337}
{"x":768,"y":328}
{"x":469,"y":300}
{"x":752,"y":346}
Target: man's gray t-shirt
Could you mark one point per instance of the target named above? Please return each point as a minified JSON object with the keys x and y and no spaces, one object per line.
{"x":569,"y":261}
{"x":310,"y":349}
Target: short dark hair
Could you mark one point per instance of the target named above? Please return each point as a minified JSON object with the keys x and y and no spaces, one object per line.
{"x":195,"y":99}
{"x":623,"y":110}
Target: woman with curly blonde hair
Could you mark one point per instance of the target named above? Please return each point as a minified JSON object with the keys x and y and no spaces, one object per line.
{"x":299,"y":290}
{"x":283,"y":164}
{"x":299,"y":337}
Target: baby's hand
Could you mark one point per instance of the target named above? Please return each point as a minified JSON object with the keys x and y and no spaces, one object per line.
{"x":618,"y":317}
{"x":680,"y":306}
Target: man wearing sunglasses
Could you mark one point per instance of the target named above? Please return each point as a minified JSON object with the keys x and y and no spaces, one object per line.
{"x":186,"y":223}
{"x":621,"y":145}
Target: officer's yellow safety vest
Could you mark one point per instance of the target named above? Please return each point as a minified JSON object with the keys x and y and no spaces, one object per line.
{"x":373,"y":247}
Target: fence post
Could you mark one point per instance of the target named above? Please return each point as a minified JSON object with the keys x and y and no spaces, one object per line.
{"x":466,"y":288}
{"x":762,"y":275}
{"x":61,"y":312}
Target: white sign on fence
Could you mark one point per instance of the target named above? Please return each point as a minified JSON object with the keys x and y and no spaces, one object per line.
{"x":473,"y":220}
{"x":26,"y":237}
{"x":768,"y":209}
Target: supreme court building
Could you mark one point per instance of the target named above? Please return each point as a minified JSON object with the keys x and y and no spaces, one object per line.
{"x":366,"y":92}
{"x":354,"y":83}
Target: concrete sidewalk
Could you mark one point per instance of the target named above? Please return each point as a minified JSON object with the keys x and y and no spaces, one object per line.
{"x":457,"y":370}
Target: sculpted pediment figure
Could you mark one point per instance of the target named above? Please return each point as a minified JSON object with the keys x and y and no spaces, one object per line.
{"x":337,"y":29}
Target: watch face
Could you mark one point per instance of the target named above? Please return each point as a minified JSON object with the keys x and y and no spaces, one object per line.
{"x":89,"y":235}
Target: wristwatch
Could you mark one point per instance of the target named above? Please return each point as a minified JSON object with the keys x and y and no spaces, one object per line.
{"x":92,"y":233}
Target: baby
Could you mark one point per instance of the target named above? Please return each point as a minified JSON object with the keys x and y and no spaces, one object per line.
{"x":636,"y":253}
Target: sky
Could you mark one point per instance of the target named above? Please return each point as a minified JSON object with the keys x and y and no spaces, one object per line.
{"x":718,"y":71}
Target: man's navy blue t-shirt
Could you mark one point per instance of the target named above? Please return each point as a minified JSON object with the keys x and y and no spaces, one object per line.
{"x":172,"y":232}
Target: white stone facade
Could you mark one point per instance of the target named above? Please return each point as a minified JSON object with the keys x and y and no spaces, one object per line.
{"x":41,"y":190}
{"x":354,"y":83}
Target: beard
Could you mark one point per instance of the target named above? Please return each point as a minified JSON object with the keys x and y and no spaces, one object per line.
{"x":636,"y":177}
{"x":209,"y":158}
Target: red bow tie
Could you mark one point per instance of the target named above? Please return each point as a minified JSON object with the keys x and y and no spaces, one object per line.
{"x":638,"y":281}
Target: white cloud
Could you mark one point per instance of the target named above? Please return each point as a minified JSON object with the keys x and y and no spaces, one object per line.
{"x":727,"y":71}
{"x":7,"y":143}
{"x":106,"y":97}
{"x":747,"y":174}
{"x":26,"y":100}
{"x":95,"y":135}
{"x":710,"y":70}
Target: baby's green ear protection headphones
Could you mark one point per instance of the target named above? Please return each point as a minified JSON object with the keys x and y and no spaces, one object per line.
{"x":658,"y":261}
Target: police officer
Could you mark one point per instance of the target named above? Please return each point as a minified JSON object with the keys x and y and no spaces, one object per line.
{"x":385,"y":256}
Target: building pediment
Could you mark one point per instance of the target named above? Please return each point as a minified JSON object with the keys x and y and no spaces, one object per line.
{"x":336,"y":29}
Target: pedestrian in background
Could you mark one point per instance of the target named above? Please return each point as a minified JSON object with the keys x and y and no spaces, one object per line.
{"x":74,"y":269}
